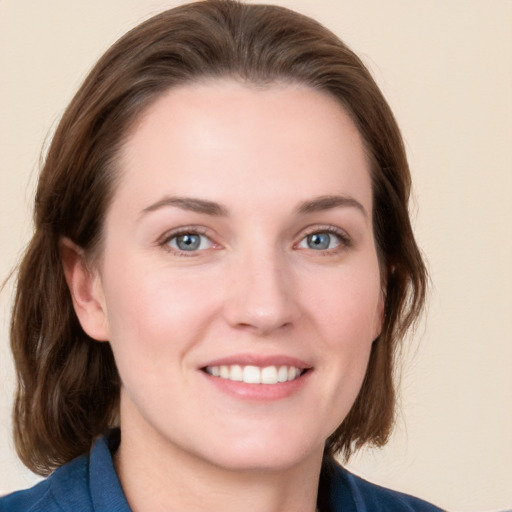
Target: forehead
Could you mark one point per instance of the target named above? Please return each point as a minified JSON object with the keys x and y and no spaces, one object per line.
{"x":221,"y":138}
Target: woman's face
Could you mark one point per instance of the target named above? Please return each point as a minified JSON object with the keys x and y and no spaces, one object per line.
{"x":239,"y":248}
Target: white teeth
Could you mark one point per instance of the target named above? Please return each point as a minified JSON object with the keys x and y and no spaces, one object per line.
{"x":269,"y":375}
{"x":236,"y":373}
{"x":254,"y":374}
{"x":282,"y":374}
{"x":292,"y":373}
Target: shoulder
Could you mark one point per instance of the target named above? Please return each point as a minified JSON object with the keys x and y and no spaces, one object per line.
{"x":370,"y":494}
{"x":34,"y":499}
{"x":367,"y":497}
{"x":64,"y":490}
{"x":85,"y":484}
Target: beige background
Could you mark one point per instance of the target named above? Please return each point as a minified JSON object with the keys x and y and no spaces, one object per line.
{"x":446,"y":68}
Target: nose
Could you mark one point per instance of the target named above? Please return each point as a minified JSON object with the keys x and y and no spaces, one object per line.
{"x":261,"y":296}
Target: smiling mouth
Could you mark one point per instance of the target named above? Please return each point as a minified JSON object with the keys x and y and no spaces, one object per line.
{"x":250,"y":374}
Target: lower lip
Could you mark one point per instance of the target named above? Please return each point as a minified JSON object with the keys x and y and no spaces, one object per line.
{"x":258,"y":392}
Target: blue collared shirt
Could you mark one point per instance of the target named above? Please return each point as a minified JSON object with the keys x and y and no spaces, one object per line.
{"x":90,"y":484}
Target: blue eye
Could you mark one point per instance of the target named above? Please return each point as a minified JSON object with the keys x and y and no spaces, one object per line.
{"x":189,"y":242}
{"x":320,"y":241}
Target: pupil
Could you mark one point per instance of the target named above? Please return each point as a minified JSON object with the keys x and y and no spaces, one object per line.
{"x":188,"y":242}
{"x":319,"y":241}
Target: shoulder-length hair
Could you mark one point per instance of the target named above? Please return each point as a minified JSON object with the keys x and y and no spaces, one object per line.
{"x":68,"y":385}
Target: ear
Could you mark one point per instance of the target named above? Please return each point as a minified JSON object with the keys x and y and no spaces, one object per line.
{"x":86,"y":291}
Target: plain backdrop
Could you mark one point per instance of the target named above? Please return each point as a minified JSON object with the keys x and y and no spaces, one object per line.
{"x":446,"y":68}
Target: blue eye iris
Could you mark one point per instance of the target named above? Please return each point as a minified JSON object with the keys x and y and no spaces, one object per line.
{"x":319,"y":241}
{"x":189,"y":242}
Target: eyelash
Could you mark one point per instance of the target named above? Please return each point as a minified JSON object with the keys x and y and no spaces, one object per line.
{"x":344,"y":239}
{"x":165,"y":240}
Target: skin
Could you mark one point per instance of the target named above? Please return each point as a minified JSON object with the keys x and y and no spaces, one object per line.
{"x":257,"y":287}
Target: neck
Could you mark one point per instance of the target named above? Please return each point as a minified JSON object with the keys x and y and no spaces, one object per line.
{"x":159,"y":476}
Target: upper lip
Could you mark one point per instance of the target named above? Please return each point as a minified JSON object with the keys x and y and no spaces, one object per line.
{"x":259,"y":360}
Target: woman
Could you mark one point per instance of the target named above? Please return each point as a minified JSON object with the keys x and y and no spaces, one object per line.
{"x":222,"y":268}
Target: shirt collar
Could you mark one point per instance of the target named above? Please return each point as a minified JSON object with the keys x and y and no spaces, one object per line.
{"x":106,"y":492}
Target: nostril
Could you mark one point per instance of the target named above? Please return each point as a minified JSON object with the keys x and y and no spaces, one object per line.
{"x":263,"y":327}
{"x":261,"y":301}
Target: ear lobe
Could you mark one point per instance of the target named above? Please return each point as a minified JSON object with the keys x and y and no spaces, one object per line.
{"x":86,"y":290}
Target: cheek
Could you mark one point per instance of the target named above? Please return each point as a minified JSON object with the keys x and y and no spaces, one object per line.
{"x":347,"y":314}
{"x":148,"y":306}
{"x":349,"y":304}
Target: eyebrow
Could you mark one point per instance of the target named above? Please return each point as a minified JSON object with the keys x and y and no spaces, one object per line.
{"x":321,"y":203}
{"x":206,"y":207}
{"x":189,"y":203}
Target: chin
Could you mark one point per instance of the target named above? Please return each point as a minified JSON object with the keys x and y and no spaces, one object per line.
{"x":263,"y":454}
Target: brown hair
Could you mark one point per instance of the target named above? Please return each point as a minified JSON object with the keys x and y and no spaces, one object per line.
{"x":68,"y":385}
